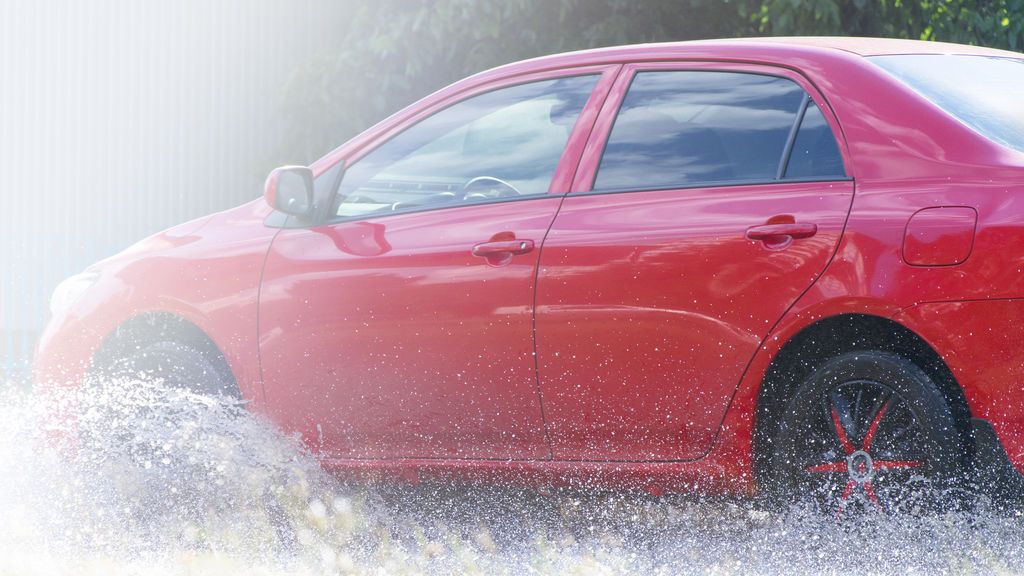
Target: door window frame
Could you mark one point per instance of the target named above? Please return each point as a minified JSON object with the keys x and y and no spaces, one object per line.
{"x":565,"y":170}
{"x":590,"y":160}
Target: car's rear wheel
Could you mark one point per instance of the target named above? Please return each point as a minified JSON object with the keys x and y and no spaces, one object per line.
{"x":867,"y":431}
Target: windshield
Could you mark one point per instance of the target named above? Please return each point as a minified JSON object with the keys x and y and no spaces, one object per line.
{"x":981,"y":91}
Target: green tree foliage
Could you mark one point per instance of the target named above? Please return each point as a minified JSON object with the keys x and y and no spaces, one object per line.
{"x":995,"y":23}
{"x":389,"y":53}
{"x":393,"y":52}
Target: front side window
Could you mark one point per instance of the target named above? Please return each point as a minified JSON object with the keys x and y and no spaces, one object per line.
{"x":501,"y":144}
{"x":680,"y":129}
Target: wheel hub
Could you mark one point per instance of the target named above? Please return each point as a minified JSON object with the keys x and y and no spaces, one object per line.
{"x":860,"y":466}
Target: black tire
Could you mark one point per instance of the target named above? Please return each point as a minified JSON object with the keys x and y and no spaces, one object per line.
{"x":172,"y":365}
{"x":180,"y":366}
{"x":867,"y":431}
{"x":132,"y":392}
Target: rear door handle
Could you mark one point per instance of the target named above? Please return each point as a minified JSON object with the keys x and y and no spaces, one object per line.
{"x":779,"y":235}
{"x":502,"y":247}
{"x":793,"y":230}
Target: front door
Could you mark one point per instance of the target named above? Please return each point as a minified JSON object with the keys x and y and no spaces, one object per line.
{"x":403,"y":329}
{"x":719,"y":198}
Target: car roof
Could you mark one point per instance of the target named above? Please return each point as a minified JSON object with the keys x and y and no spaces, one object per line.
{"x":832,"y":53}
{"x":774,"y":50}
{"x":864,"y":46}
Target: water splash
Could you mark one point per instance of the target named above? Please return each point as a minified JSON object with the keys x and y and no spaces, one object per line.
{"x":167,"y":481}
{"x":155,"y":475}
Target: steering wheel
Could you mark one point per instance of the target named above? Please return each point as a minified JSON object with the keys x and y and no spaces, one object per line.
{"x":488,"y":187}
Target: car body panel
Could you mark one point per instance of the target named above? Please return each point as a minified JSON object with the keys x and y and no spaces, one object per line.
{"x":980,"y":341}
{"x":651,"y":304}
{"x":208,"y":274}
{"x":416,"y":348}
{"x":388,"y":338}
{"x":940,"y":236}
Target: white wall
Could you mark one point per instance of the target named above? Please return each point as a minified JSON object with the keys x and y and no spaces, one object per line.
{"x":121,"y":118}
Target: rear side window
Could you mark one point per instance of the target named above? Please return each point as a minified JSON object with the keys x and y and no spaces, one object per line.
{"x":685,"y":128}
{"x":981,"y":91}
{"x":815,"y":152}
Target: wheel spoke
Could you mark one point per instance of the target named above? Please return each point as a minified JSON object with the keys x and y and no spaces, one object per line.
{"x":847,"y":492}
{"x":838,"y":467}
{"x":870,"y":491}
{"x":894,"y":437}
{"x":890,"y":464}
{"x":873,"y":427}
{"x":844,"y":440}
{"x":857,"y":405}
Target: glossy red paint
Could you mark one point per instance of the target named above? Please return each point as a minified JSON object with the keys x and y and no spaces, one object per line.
{"x":651,"y":304}
{"x":208,"y":272}
{"x":417,"y":349}
{"x":940,"y":236}
{"x":628,"y":347}
{"x":994,"y":330}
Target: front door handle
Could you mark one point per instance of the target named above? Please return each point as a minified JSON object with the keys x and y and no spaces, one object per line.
{"x":486,"y":249}
{"x":781,"y":235}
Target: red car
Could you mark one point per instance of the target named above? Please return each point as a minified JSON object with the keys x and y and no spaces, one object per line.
{"x":724,"y":266}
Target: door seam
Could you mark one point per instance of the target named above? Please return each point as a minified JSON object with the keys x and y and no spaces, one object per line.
{"x":536,"y":269}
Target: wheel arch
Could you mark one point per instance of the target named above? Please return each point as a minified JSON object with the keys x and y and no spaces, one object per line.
{"x":153,"y":327}
{"x":838,"y":334}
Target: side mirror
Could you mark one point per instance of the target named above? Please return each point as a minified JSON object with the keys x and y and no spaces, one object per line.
{"x":289,"y":189}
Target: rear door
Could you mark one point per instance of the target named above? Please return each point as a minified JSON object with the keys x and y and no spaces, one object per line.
{"x":709,"y":199}
{"x":404,"y":328}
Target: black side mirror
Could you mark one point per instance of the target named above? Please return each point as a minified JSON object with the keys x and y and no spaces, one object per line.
{"x":289,"y":189}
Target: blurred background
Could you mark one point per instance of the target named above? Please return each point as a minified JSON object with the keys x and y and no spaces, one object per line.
{"x":122,"y":117}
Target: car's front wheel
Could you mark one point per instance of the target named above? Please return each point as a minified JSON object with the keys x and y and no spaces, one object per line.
{"x":867,"y":431}
{"x":176,"y":365}
{"x":174,"y":412}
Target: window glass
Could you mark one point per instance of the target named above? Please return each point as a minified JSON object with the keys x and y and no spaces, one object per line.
{"x":815,"y":152}
{"x":685,"y":128}
{"x":501,"y":144}
{"x":981,"y":91}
